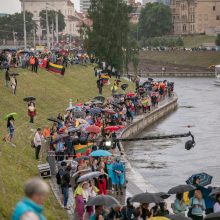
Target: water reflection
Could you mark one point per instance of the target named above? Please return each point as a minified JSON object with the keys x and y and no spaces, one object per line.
{"x":165,"y":163}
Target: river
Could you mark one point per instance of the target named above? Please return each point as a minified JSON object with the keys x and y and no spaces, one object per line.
{"x":166,"y":163}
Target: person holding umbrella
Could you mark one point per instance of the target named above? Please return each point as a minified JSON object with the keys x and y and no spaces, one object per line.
{"x":179,"y":206}
{"x":197,"y":205}
{"x":31,"y":111}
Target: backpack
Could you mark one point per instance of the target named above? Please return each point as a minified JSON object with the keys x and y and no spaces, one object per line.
{"x":59,"y":176}
{"x":32,"y":143}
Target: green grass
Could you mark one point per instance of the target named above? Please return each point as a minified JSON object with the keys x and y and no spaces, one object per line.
{"x":197,"y":40}
{"x":52,"y":92}
{"x":200,"y":59}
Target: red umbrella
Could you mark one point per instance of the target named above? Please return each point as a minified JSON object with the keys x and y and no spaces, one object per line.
{"x":130,"y":94}
{"x":114,"y":128}
{"x":109,"y":111}
{"x":93,"y":129}
{"x":79,"y":104}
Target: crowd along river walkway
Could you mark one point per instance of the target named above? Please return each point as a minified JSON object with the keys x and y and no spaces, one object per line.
{"x":136,"y":182}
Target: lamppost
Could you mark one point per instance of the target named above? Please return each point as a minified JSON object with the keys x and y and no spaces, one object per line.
{"x":24,"y":21}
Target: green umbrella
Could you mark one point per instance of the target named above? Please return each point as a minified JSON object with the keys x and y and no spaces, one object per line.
{"x":14,"y":114}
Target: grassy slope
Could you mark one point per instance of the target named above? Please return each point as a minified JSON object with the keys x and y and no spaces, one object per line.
{"x":196,"y":41}
{"x":52,"y":92}
{"x":201,"y":59}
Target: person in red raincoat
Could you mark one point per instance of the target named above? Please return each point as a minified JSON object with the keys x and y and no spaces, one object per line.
{"x":31,"y":111}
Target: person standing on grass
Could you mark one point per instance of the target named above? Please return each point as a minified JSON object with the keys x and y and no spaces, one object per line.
{"x":14,"y":84}
{"x":31,"y":206}
{"x":36,"y":63}
{"x":38,"y":142}
{"x":7,"y":77}
{"x":32,"y":62}
{"x":11,"y":128}
{"x":31,"y":111}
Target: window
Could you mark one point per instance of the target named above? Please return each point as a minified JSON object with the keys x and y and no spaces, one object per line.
{"x":218,"y":17}
{"x":213,"y":8}
{"x":184,"y":28}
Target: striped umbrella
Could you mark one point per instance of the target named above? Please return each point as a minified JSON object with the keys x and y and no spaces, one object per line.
{"x":205,"y":179}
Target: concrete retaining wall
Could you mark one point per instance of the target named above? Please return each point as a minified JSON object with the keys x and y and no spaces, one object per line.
{"x":145,"y":120}
{"x":174,"y":74}
{"x":136,"y":183}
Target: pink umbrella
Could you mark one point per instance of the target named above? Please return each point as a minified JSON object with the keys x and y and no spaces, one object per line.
{"x":93,"y":129}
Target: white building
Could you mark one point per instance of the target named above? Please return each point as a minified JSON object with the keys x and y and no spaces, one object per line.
{"x":65,"y":6}
{"x":85,"y":5}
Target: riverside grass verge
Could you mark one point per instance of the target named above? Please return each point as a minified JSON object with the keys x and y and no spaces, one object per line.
{"x":194,"y":58}
{"x":52,"y":92}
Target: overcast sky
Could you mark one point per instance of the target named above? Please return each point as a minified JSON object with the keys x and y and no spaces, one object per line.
{"x":12,"y":6}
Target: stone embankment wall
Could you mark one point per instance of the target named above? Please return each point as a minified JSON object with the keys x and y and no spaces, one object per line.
{"x":136,"y":183}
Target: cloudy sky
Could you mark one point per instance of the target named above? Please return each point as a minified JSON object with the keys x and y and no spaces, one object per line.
{"x":12,"y":6}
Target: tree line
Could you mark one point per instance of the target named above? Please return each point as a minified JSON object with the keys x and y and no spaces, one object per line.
{"x":13,"y":26}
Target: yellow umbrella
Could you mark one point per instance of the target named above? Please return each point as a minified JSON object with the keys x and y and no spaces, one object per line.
{"x":158,"y":218}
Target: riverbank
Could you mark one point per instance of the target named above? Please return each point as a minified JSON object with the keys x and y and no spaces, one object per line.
{"x":136,"y":182}
{"x":177,"y":63}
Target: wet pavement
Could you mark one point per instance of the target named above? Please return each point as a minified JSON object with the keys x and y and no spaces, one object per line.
{"x":166,"y":163}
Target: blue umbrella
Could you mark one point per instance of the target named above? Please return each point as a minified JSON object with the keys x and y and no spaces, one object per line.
{"x":205,"y":179}
{"x":95,"y":110}
{"x":100,"y":153}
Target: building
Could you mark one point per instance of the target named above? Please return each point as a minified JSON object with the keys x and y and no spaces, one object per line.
{"x":195,"y":17}
{"x":166,"y":2}
{"x":85,"y":5}
{"x":65,"y":6}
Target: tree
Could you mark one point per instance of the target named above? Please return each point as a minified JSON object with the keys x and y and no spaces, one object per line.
{"x":108,"y":37}
{"x":155,"y":20}
{"x":14,"y":24}
{"x":52,"y":19}
{"x":217,"y":41}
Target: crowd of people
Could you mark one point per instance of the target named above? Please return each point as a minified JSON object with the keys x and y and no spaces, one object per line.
{"x":89,"y":156}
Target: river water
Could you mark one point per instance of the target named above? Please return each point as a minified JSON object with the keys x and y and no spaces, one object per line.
{"x":166,"y":163}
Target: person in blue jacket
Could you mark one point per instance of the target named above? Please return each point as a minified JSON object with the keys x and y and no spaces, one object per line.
{"x":31,"y":206}
{"x":209,"y":202}
{"x":119,"y":175}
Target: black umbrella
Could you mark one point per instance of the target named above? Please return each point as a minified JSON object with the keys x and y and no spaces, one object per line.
{"x":102,"y":200}
{"x":124,"y":86}
{"x":14,"y":74}
{"x":100,"y":98}
{"x":213,"y":216}
{"x":215,"y":191}
{"x":54,"y":120}
{"x":162,"y":195}
{"x":29,"y":99}
{"x":177,"y":217}
{"x":181,"y":189}
{"x":81,"y":158}
{"x":89,"y":176}
{"x":146,"y":198}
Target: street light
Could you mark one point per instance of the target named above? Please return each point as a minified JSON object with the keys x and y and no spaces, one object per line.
{"x":24,"y":20}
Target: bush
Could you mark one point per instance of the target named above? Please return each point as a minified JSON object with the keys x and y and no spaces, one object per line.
{"x":162,"y":42}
